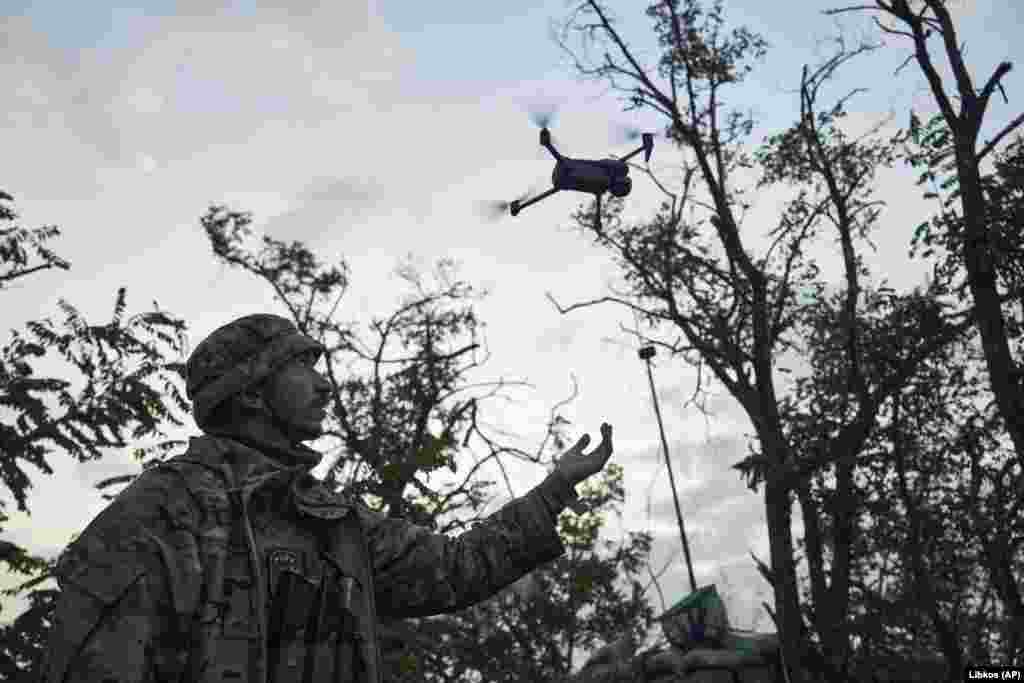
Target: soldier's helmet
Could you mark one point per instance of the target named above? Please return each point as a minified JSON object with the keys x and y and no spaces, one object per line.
{"x":238,"y":356}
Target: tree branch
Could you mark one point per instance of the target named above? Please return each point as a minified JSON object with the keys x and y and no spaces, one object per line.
{"x":601,"y":300}
{"x":993,"y":82}
{"x":5,"y":277}
{"x":1017,"y":121}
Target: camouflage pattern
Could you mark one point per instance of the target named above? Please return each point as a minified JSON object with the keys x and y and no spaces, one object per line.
{"x":172,"y":581}
{"x":239,"y":355}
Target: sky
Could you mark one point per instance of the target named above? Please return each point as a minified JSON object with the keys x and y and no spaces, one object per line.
{"x":368,"y":132}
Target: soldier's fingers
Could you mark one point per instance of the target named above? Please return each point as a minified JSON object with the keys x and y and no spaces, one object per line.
{"x":582,"y":443}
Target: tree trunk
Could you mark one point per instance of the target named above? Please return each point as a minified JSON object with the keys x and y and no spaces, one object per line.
{"x":988,"y":313}
{"x":988,"y":316}
{"x":778,"y":512}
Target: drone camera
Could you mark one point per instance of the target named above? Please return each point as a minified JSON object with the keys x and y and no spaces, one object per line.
{"x":621,"y":187}
{"x":514,"y":207}
{"x":646,"y":353}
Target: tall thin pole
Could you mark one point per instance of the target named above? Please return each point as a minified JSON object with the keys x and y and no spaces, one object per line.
{"x":646,"y":353}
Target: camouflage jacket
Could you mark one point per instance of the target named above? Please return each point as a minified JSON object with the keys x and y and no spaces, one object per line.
{"x":180,"y":578}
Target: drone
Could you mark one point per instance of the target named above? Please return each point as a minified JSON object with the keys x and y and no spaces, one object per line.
{"x":593,"y":176}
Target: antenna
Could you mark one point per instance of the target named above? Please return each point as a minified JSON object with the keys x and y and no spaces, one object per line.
{"x":646,"y":354}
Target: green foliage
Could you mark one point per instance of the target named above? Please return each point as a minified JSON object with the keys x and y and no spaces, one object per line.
{"x":932,"y":154}
{"x":17,"y":559}
{"x":702,"y":50}
{"x":120,"y":361}
{"x":979,"y":266}
{"x":24,"y":641}
{"x":13,"y":241}
{"x":922,"y":494}
{"x":130,"y":367}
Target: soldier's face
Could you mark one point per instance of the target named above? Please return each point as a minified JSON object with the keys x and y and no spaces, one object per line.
{"x":300,"y":394}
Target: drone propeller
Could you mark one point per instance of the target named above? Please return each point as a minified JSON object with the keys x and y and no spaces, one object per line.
{"x":492,"y":210}
{"x":543,"y":118}
{"x":622,"y":134}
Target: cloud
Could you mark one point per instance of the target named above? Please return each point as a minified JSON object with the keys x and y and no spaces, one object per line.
{"x":724,"y":523}
{"x":50,"y":98}
{"x":711,"y":454}
{"x":336,"y":189}
{"x":560,"y":336}
{"x":321,"y":205}
{"x":710,"y":491}
{"x":199,"y":79}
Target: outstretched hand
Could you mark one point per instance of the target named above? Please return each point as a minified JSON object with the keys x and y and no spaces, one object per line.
{"x":577,"y":465}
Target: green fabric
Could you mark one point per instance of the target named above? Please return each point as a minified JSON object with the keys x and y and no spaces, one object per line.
{"x":749,"y":643}
{"x":704,"y":598}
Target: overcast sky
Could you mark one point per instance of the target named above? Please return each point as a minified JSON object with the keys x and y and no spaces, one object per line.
{"x":368,"y":131}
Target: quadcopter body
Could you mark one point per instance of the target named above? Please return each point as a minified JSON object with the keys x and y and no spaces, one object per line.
{"x":593,"y":176}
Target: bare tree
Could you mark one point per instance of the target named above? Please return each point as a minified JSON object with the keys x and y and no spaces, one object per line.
{"x":969,"y":234}
{"x":737,"y":313}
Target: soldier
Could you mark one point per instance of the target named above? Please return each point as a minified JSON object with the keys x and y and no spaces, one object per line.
{"x":232,"y":563}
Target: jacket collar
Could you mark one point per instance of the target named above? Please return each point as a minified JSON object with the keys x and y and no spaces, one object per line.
{"x":254,"y":466}
{"x":250,"y":458}
{"x":289,"y":457}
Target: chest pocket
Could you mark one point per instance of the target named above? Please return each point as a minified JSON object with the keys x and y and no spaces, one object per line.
{"x":240,"y":620}
{"x":292,"y":588}
{"x":313,"y":623}
{"x":311,"y":598}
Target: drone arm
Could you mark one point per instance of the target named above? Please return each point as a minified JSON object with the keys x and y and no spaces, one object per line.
{"x":518,"y":206}
{"x":545,"y":142}
{"x":631,"y":154}
{"x":646,"y":148}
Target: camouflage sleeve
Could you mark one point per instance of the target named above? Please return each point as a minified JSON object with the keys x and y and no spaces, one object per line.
{"x":127,"y":585}
{"x":420,"y":573}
